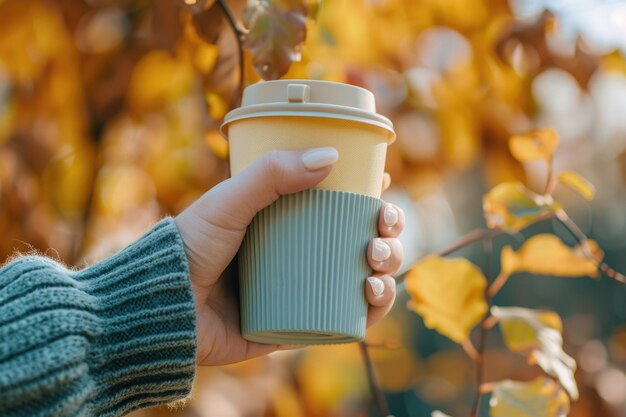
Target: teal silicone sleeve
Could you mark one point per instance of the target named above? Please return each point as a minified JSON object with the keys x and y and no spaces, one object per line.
{"x":303,"y":267}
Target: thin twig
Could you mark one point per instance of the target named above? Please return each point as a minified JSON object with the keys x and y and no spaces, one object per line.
{"x":582,"y":240}
{"x":239,"y":35}
{"x":497,"y":285}
{"x":377,"y":392}
{"x":482,"y":338}
{"x":474,"y":236}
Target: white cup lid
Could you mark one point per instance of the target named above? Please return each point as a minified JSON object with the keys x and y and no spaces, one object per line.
{"x":309,"y":98}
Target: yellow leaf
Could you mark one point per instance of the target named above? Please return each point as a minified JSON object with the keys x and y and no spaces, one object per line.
{"x":512,"y":206}
{"x":67,"y":177}
{"x":328,"y":375}
{"x":546,"y":254}
{"x":541,"y":397}
{"x":217,"y":106}
{"x":121,"y":188}
{"x":217,"y":143}
{"x":448,"y":294}
{"x":159,"y":78}
{"x":205,"y":58}
{"x":578,"y":184}
{"x":538,"y":334}
{"x":520,"y":325}
{"x":396,"y":363}
{"x":535,"y":145}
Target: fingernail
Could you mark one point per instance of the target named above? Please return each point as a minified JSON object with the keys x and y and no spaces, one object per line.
{"x":390,"y":215}
{"x":380,"y":250}
{"x":317,"y":158}
{"x":377,"y":285}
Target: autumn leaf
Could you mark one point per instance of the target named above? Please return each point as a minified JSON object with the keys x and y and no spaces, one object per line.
{"x":546,"y":254}
{"x":208,"y":22}
{"x":448,"y":294}
{"x":537,"y":333}
{"x":66,"y":179}
{"x":577,"y":183}
{"x":217,"y":143}
{"x":157,"y":79}
{"x":535,"y":145}
{"x":327,"y":375}
{"x":541,"y":397}
{"x":275,"y":32}
{"x":512,"y":206}
{"x":165,"y":23}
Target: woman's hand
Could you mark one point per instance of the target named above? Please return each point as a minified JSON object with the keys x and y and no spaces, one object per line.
{"x":213,"y":228}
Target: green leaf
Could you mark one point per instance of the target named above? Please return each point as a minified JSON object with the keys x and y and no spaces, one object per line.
{"x":541,"y":397}
{"x":275,"y":32}
{"x":537,"y":334}
{"x":577,"y":183}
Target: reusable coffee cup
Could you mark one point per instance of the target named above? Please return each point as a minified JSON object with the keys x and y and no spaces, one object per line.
{"x":302,"y":264}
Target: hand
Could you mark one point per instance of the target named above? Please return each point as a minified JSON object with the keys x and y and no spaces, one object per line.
{"x":213,"y":227}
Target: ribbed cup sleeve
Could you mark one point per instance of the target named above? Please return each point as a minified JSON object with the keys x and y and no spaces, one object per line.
{"x":114,"y":337}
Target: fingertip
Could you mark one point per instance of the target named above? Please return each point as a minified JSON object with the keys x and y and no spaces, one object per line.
{"x":391,"y":220}
{"x":317,"y":158}
{"x":380,"y":290}
{"x":379,"y":305}
{"x":385,"y":255}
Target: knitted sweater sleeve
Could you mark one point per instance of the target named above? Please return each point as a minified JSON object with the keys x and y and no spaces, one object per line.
{"x":103,"y":341}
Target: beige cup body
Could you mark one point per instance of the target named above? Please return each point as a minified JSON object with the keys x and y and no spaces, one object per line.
{"x":362,"y":148}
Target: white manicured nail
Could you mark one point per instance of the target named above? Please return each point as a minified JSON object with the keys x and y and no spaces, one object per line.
{"x":390,"y":215}
{"x":380,"y":250}
{"x":377,"y":285}
{"x":317,"y":158}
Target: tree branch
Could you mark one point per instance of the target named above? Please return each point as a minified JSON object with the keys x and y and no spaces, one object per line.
{"x":482,"y":338}
{"x":239,"y":33}
{"x":377,"y":392}
{"x":477,"y":235}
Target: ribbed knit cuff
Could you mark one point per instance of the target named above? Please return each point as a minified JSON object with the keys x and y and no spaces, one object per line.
{"x":146,"y":352}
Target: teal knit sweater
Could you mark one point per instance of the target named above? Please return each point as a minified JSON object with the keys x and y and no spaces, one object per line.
{"x":103,"y":341}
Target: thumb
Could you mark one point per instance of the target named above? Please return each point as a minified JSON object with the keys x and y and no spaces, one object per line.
{"x":234,"y":202}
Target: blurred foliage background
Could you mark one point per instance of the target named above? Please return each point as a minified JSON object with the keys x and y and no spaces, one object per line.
{"x":109,"y":111}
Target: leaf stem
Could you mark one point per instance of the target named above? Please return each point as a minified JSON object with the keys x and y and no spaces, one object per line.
{"x":497,"y":285}
{"x":239,"y":35}
{"x":477,"y":235}
{"x":377,"y":392}
{"x":470,"y":238}
{"x":549,"y":183}
{"x":471,"y":351}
